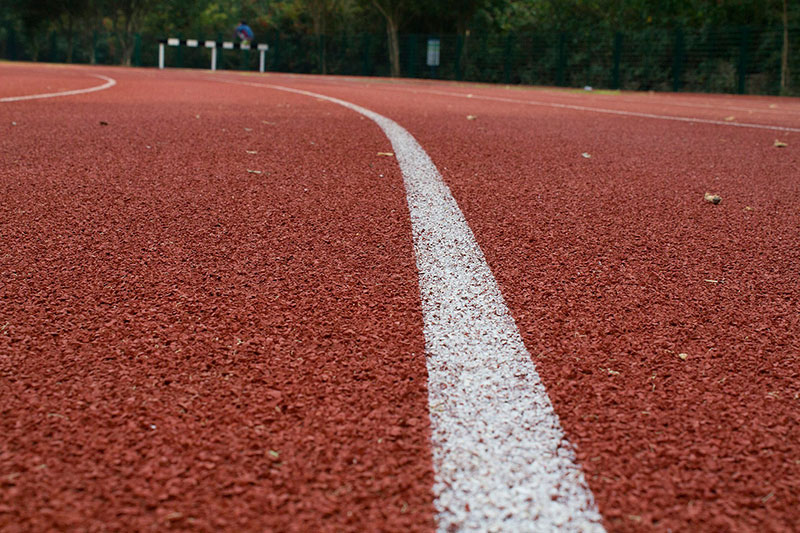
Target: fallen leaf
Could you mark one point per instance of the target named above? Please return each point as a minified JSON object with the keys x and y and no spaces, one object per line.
{"x":780,"y":144}
{"x":197,"y":116}
{"x":587,"y":155}
{"x":712,"y":198}
{"x":712,"y":281}
{"x":268,"y":122}
{"x":730,"y":118}
{"x":471,"y":117}
{"x":683,"y":356}
{"x":248,"y":129}
{"x":386,"y":154}
{"x":612,"y":372}
{"x":13,"y":123}
{"x":251,"y":151}
{"x":748,"y":208}
{"x":104,"y":123}
{"x":274,"y":454}
{"x":773,"y":106}
{"x":254,"y":171}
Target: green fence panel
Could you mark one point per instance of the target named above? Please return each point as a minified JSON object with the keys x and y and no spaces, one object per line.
{"x":732,"y":60}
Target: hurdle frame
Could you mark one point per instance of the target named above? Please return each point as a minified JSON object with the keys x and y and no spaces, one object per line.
{"x":213,"y":45}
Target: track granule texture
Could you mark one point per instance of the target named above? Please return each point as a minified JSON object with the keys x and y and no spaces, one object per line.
{"x":664,"y":327}
{"x":211,"y":320}
{"x":210,"y":317}
{"x":23,"y":80}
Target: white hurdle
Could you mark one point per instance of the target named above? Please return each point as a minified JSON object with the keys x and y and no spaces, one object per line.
{"x":262,"y":52}
{"x":213,"y":45}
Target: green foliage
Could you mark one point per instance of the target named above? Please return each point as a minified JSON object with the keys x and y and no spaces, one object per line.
{"x":564,"y":42}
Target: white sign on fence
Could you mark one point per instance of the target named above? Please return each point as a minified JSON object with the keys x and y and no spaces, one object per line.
{"x":434,"y":46}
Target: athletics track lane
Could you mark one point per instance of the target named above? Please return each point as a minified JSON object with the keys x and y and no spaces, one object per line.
{"x":732,"y":110}
{"x":189,"y":345}
{"x":26,"y":79}
{"x":613,"y":266}
{"x":686,"y":478}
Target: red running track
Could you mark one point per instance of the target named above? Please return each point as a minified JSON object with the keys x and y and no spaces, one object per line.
{"x":189,"y":344}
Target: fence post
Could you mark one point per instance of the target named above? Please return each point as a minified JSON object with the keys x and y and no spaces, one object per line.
{"x":137,"y":50}
{"x":366,"y":64}
{"x":180,"y":51}
{"x":11,"y":46}
{"x":615,"y":81}
{"x":507,"y":59}
{"x":93,"y":57}
{"x":220,"y":60}
{"x":411,"y":62}
{"x":562,"y":59}
{"x":677,"y":63}
{"x":53,"y":47}
{"x":459,"y":57}
{"x":245,"y":64}
{"x":276,"y":51}
{"x":711,"y":57}
{"x":744,"y":44}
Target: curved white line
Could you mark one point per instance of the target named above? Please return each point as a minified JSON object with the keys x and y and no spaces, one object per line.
{"x":110,"y":82}
{"x":501,"y":459}
{"x":613,"y":111}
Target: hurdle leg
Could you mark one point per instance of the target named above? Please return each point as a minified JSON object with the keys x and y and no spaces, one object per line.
{"x":161,"y":55}
{"x":261,"y":62}
{"x":213,"y":59}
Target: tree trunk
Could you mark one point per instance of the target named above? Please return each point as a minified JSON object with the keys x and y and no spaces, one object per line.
{"x":391,"y":12}
{"x":463,"y":30}
{"x":394,"y":46}
{"x":785,"y":51}
{"x":70,"y":38}
{"x":324,"y":44}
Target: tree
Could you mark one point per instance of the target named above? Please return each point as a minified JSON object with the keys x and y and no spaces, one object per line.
{"x":459,"y":14}
{"x":321,"y":11}
{"x":392,"y":11}
{"x":126,"y":20}
{"x":785,"y":50}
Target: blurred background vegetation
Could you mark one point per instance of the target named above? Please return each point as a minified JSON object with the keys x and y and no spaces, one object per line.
{"x":681,"y":45}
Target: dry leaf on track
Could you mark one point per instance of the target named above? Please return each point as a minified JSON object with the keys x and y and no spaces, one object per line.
{"x":712,"y":198}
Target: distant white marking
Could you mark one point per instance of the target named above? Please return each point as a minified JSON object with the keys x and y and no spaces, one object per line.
{"x":501,"y":459}
{"x":110,"y":82}
{"x":613,"y":111}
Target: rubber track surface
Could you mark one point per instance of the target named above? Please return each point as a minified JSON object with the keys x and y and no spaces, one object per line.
{"x":614,"y":266}
{"x":188,"y":344}
{"x":26,"y":80}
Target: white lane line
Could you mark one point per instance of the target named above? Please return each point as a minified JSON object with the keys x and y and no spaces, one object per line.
{"x":502,"y":461}
{"x":109,"y":82}
{"x":611,"y":111}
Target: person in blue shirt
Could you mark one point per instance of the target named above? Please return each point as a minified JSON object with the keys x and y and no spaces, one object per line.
{"x":244,"y":32}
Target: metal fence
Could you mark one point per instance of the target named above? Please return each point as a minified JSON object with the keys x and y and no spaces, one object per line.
{"x":733,"y":60}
